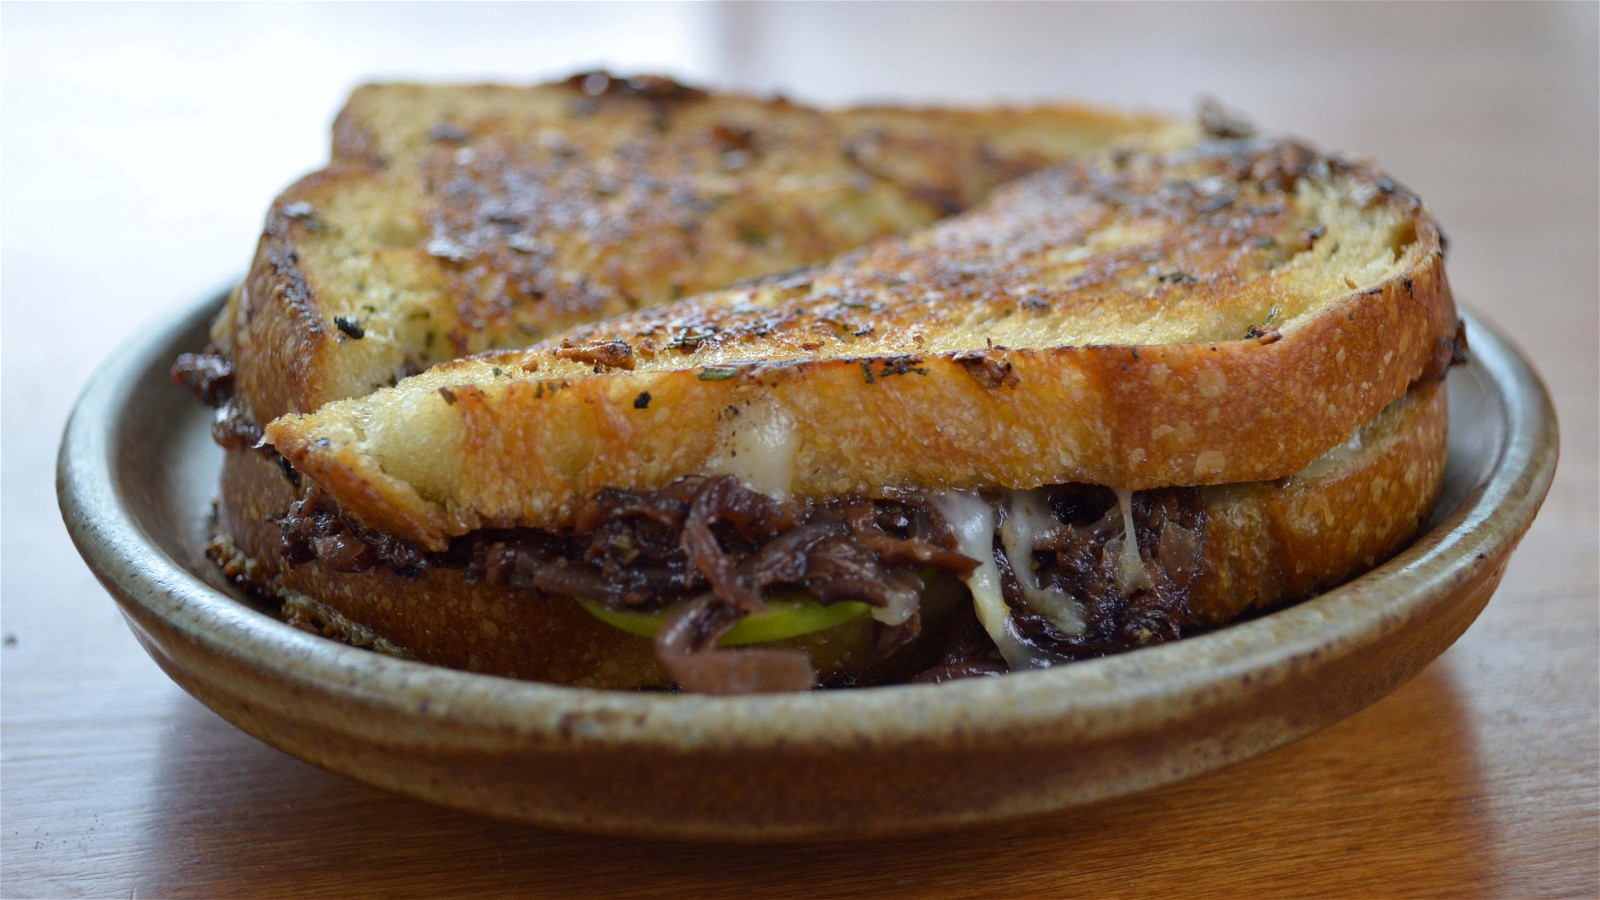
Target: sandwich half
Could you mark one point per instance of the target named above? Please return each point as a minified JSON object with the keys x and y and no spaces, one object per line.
{"x":457,"y":219}
{"x":1127,"y":398}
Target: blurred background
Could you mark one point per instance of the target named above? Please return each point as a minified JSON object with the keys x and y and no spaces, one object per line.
{"x":141,"y":144}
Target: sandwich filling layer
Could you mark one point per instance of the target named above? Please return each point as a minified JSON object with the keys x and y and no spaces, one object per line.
{"x":1049,"y":568}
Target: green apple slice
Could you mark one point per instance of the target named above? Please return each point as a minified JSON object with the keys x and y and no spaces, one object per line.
{"x":784,"y":618}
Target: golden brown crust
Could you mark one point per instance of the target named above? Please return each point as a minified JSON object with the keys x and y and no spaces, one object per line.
{"x":1350,"y":510}
{"x":1266,"y":543}
{"x":1041,"y":339}
{"x":456,"y":219}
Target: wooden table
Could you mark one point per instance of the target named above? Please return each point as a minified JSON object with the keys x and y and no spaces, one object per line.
{"x":1481,"y":776}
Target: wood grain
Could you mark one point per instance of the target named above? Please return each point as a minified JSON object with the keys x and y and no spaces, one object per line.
{"x":1480,"y":777}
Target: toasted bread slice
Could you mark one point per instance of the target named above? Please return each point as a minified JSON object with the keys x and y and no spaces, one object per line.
{"x":1222,"y":314}
{"x":1265,"y":544}
{"x":457,"y":219}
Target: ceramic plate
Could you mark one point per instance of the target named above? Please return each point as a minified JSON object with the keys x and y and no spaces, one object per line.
{"x":138,"y":471}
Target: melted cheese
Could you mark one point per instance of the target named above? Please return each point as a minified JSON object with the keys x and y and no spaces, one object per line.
{"x":1131,"y":573}
{"x":1027,"y":514}
{"x":903,"y":603}
{"x":971,"y":519}
{"x":759,"y":447}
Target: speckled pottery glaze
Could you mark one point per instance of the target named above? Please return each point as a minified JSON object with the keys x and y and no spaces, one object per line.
{"x":137,"y":473}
